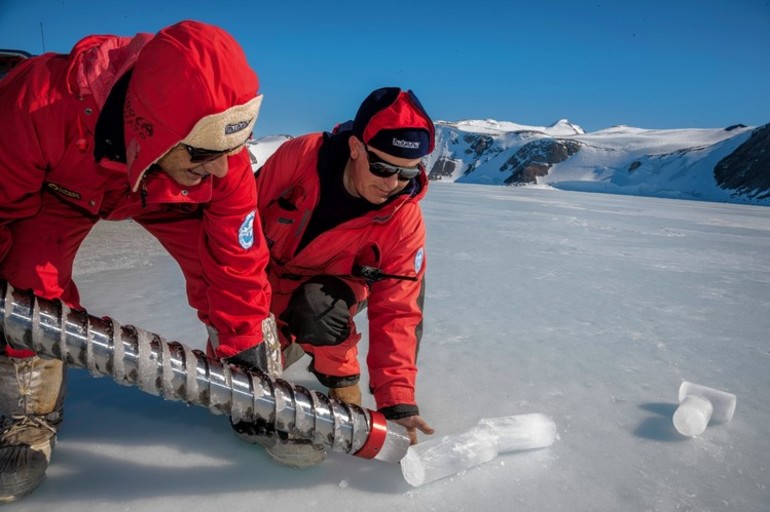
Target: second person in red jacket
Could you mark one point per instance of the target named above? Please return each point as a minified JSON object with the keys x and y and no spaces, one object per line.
{"x":341,"y":217}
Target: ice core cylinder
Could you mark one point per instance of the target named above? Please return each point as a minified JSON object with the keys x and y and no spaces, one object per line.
{"x":447,"y":455}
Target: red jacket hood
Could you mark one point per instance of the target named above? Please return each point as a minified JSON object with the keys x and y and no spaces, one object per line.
{"x":191,"y":82}
{"x":97,"y":62}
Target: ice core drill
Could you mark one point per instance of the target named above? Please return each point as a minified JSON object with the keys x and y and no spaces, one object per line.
{"x":133,"y":357}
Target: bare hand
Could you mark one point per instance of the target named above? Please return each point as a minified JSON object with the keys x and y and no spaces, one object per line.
{"x":413,"y":424}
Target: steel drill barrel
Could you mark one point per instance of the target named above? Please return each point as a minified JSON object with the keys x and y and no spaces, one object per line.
{"x":134,"y":357}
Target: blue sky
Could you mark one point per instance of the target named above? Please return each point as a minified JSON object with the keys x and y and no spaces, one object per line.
{"x":651,"y":64}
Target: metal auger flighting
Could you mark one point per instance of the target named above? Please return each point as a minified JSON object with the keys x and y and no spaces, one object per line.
{"x":133,"y":357}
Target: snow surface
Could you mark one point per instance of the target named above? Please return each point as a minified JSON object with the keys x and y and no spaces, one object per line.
{"x":589,"y":308}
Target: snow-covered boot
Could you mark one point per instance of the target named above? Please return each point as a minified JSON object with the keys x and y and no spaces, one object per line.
{"x":282,"y":449}
{"x":290,"y":453}
{"x":296,"y":454}
{"x":31,"y":398}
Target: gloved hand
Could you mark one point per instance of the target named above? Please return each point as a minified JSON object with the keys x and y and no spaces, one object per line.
{"x":254,"y":358}
{"x":319,"y":311}
{"x":265,"y":357}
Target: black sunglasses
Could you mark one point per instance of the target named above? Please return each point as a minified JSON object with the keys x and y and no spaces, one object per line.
{"x":383,"y":169}
{"x":200,"y":155}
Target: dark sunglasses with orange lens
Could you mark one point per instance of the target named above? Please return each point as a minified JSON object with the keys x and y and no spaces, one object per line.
{"x":383,"y":169}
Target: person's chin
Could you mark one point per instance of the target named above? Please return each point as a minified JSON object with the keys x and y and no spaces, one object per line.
{"x":193,"y":179}
{"x":378,"y":196}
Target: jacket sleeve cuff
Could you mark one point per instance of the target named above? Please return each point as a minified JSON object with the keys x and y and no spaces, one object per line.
{"x":391,"y":396}
{"x":396,"y":412}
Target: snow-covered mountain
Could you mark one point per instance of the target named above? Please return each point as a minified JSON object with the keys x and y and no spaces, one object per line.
{"x":729,"y":164}
{"x":719,"y":164}
{"x":261,"y":149}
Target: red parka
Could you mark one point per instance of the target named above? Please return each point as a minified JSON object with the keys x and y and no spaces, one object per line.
{"x":391,"y":238}
{"x":51,"y":183}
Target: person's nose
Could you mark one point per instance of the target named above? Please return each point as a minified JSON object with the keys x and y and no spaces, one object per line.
{"x":217,"y":167}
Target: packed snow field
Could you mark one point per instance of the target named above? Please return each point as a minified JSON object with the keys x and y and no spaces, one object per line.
{"x":588,"y":308}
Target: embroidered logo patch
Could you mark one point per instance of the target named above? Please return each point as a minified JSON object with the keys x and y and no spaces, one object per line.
{"x":246,"y":231}
{"x":236,"y":127}
{"x":408,"y":144}
{"x":63,"y":191}
{"x":419,"y":258}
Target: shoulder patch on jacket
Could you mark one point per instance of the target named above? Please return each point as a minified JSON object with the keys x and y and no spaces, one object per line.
{"x":246,"y":231}
{"x":419,"y":258}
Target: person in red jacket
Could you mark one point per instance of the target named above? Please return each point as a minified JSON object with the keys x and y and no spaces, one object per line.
{"x":341,"y":216}
{"x":150,"y":128}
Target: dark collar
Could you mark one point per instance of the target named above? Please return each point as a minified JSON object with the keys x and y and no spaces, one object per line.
{"x":109,"y":131}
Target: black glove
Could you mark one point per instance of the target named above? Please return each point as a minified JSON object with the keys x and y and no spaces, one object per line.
{"x":254,"y":358}
{"x":319,"y":311}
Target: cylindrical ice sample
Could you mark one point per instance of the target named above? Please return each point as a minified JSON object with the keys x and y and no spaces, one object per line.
{"x":723,"y":402}
{"x":522,"y":432}
{"x":439,"y":458}
{"x":693,"y":415}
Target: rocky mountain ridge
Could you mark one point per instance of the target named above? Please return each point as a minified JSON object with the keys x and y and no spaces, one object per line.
{"x":729,"y":164}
